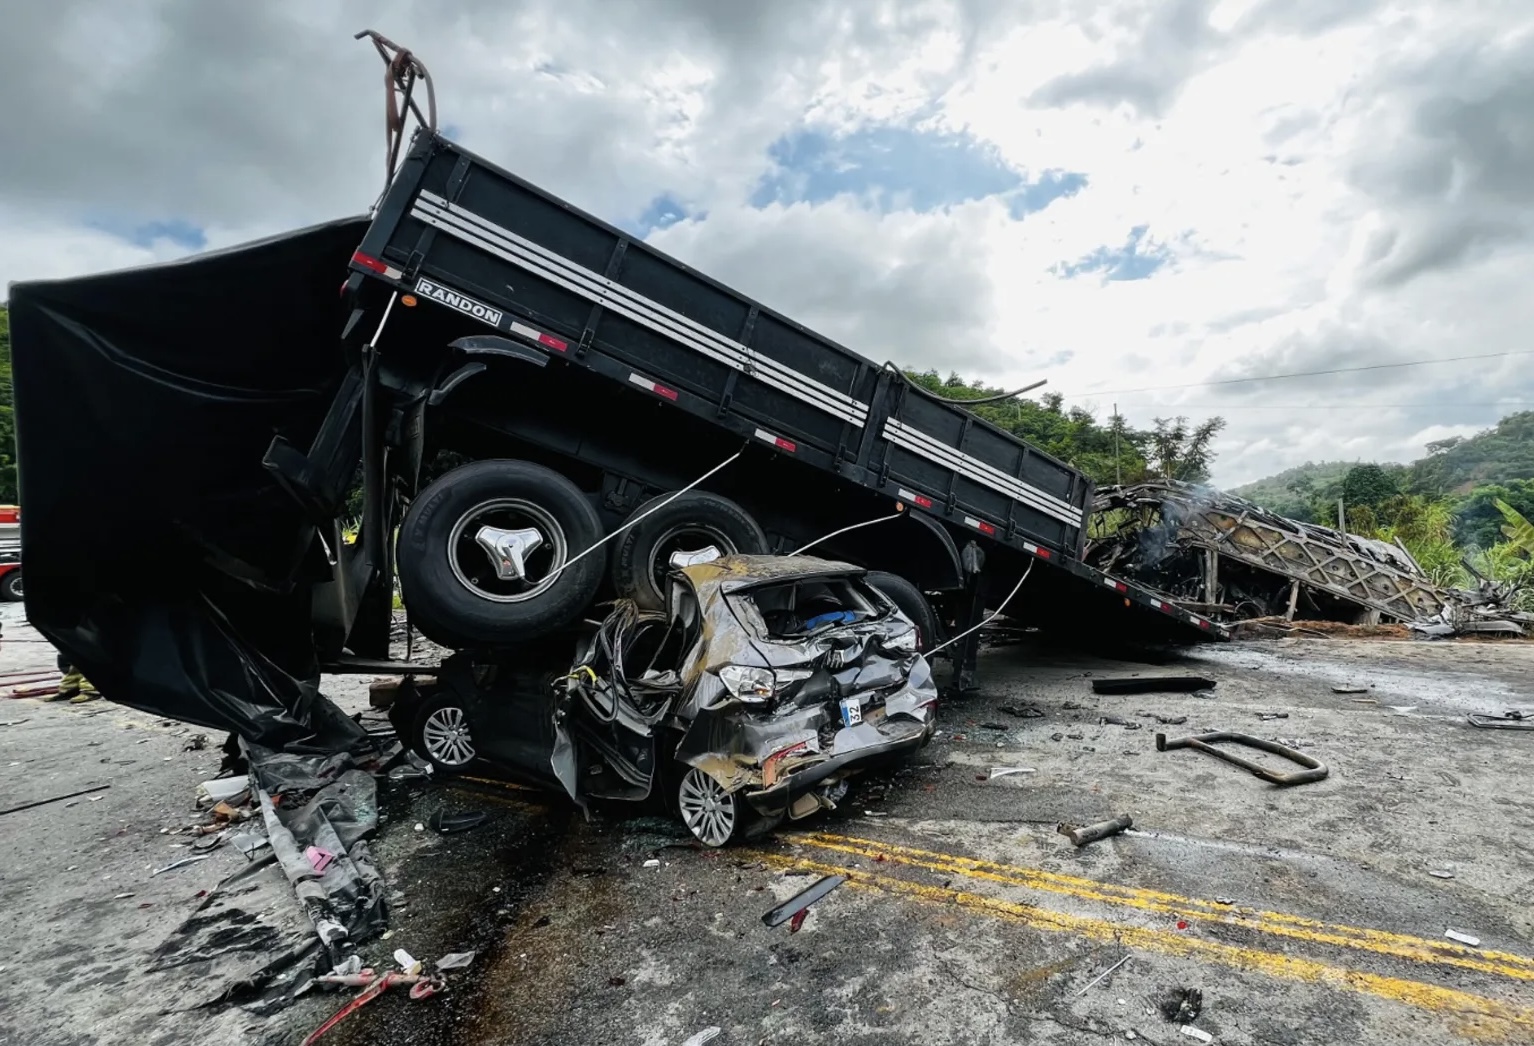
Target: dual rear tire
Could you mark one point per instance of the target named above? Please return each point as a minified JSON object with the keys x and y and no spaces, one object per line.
{"x":488,"y":554}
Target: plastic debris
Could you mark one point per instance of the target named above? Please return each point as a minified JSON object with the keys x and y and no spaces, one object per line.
{"x":407,"y":962}
{"x":653,"y":862}
{"x":248,"y":842}
{"x":223,"y":788}
{"x":706,"y":1035}
{"x":455,"y":960}
{"x":1349,"y":688}
{"x":1007,"y":771}
{"x":1440,"y":874}
{"x":1196,"y":1033}
{"x":799,"y":903}
{"x":1462,"y":938}
{"x":319,"y":858}
{"x":180,"y":863}
{"x":446,"y":824}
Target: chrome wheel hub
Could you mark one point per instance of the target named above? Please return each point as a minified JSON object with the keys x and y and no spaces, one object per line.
{"x":445,"y":736}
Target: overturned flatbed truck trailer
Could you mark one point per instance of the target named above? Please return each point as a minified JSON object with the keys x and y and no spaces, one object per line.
{"x":509,"y":382}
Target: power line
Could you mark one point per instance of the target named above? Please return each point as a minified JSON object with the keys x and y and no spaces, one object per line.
{"x":1341,"y":406}
{"x":1298,"y":374}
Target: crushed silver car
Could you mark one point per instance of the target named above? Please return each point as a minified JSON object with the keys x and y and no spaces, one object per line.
{"x":763,"y":687}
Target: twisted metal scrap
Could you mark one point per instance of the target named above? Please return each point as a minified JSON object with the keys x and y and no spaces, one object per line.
{"x":401,"y":71}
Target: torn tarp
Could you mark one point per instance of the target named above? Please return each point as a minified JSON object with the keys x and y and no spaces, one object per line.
{"x":328,"y":803}
{"x":163,"y":559}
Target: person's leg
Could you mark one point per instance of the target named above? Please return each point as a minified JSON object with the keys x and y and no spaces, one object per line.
{"x":88,"y":692}
{"x":69,"y":686}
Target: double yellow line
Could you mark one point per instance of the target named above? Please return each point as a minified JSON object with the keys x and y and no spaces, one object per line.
{"x":1474,"y":1016}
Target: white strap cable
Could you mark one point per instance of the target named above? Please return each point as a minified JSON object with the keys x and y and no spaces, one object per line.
{"x":993,"y":617}
{"x":855,"y":526}
{"x":648,"y":512}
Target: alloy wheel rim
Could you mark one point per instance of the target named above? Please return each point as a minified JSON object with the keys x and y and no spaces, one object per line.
{"x":446,"y":737}
{"x":707,"y":809}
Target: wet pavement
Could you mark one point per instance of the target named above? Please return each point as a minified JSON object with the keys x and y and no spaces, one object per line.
{"x":1307,"y":915}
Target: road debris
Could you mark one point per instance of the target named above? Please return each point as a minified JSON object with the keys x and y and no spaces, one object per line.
{"x":446,"y":824}
{"x":1096,"y":980}
{"x":1008,"y":771}
{"x":797,"y":906}
{"x":1270,"y":716}
{"x":1315,"y":770}
{"x":1152,"y":685}
{"x":56,"y":799}
{"x":1221,"y":556}
{"x":706,"y":1035}
{"x":1438,"y":873}
{"x":178,"y":864}
{"x":1021,"y":711}
{"x":1113,"y":720}
{"x":221,"y":790}
{"x":1093,"y":832}
{"x":1513,"y":720}
{"x":1182,"y":1005}
{"x":1196,"y":1033}
{"x":373,"y":986}
{"x":1462,"y":938}
{"x":1349,"y":688}
{"x":455,"y":960}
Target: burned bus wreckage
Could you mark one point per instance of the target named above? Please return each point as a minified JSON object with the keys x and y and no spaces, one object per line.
{"x":1220,"y":555}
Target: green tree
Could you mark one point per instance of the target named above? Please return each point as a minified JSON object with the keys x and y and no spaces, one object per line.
{"x":1477,"y":520}
{"x":1518,"y":530}
{"x":8,"y":492}
{"x":1183,"y":453}
{"x":1105,"y":452}
{"x":1368,"y":485}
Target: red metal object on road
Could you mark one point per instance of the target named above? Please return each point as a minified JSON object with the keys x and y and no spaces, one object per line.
{"x":421,"y":986}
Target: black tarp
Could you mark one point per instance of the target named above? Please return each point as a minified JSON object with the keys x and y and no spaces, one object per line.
{"x":160,"y":553}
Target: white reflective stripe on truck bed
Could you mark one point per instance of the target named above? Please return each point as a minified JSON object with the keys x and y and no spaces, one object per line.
{"x":508,"y":246}
{"x":918,"y":442}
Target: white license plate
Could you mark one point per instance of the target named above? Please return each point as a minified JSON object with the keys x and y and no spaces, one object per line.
{"x":852,"y":711}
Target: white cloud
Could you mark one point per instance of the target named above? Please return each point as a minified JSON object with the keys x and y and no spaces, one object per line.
{"x":1337,"y":182}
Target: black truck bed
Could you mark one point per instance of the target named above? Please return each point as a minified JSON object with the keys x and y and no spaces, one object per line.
{"x":458,"y":231}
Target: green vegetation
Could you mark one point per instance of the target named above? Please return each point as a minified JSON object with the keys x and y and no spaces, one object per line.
{"x":1462,"y":510}
{"x":1109,"y":453}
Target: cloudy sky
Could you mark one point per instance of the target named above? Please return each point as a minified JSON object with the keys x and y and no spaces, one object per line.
{"x":1118,"y":196}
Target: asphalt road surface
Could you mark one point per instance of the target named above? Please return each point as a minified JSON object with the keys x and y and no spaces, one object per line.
{"x":1308,"y":915}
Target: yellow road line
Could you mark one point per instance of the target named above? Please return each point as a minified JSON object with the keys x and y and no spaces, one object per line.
{"x":1381,"y":942}
{"x":1473,"y":1016}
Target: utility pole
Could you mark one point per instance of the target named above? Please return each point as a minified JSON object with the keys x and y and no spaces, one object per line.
{"x":1118,"y":466}
{"x":1342,"y":518}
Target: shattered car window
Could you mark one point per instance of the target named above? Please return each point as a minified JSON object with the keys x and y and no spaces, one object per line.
{"x":798,"y":608}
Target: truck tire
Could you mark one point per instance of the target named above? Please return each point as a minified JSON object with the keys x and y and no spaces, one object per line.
{"x":457,"y":593}
{"x":912,"y":604}
{"x":641,"y":556}
{"x":10,"y":587}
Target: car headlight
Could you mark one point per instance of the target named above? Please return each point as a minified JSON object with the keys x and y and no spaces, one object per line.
{"x":905,"y":642}
{"x":758,"y":685}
